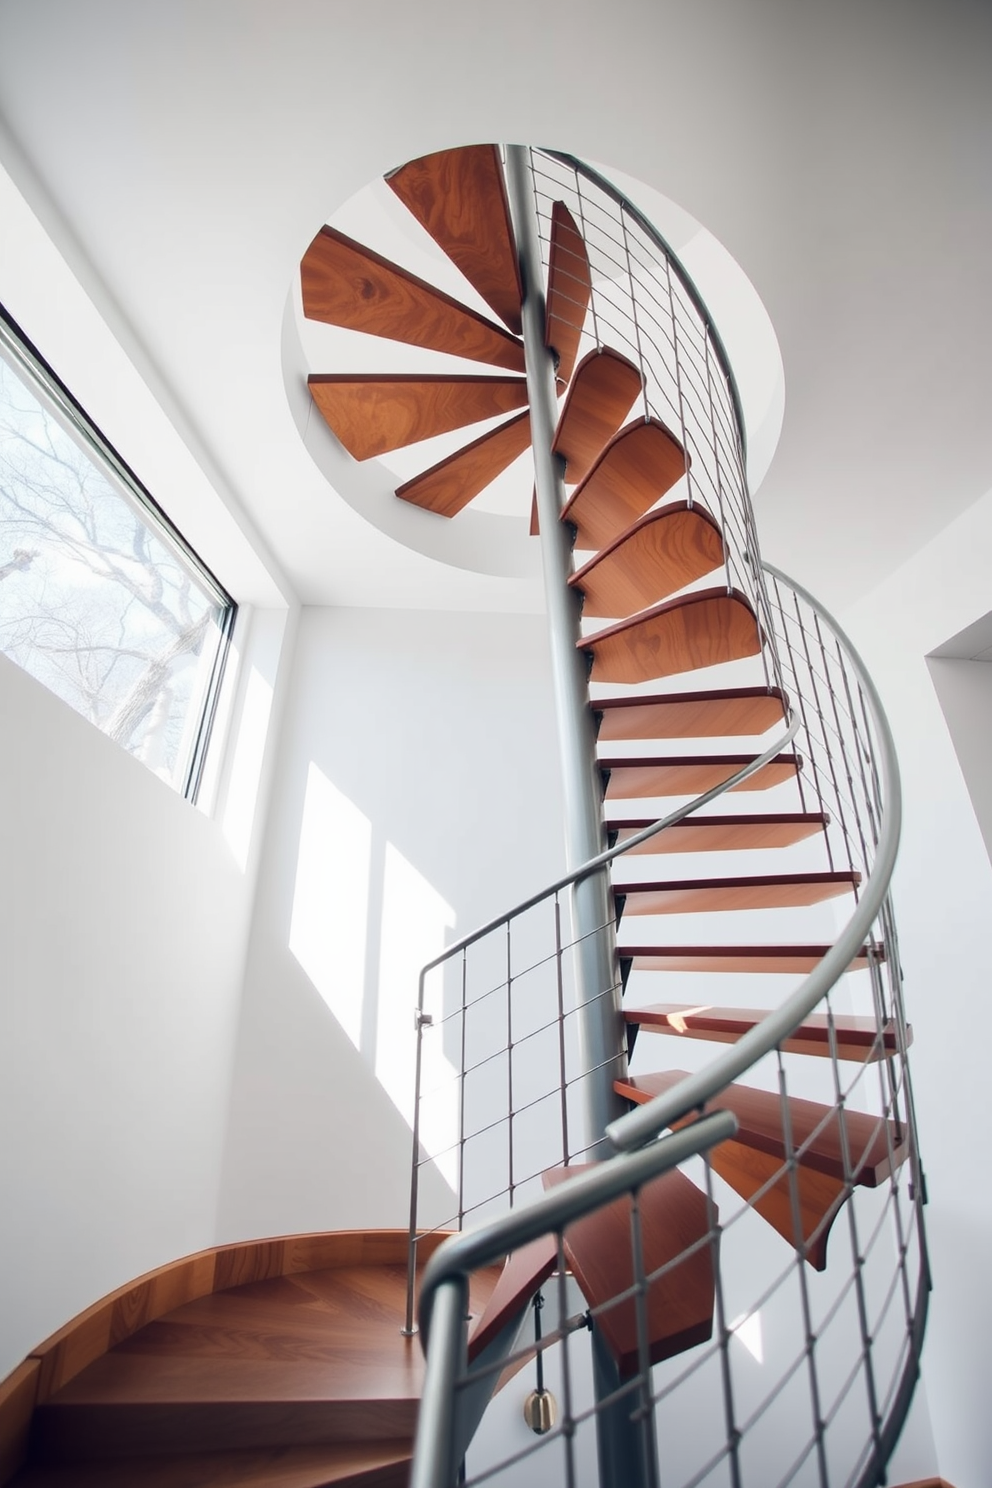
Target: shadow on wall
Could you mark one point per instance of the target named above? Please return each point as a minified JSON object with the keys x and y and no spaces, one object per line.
{"x":961,"y":673}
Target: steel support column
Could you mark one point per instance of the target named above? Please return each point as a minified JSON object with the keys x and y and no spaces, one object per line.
{"x":592,"y":916}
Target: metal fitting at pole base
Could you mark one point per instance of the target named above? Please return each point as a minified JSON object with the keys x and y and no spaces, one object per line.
{"x":591,"y":902}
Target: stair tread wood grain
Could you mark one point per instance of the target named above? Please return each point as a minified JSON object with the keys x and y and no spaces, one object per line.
{"x":854,"y":1037}
{"x":721,"y":713}
{"x":598,"y":400}
{"x":759,"y":891}
{"x":703,"y":629}
{"x":372,"y":414}
{"x":347,"y":284}
{"x":569,"y":289}
{"x":796,"y":959}
{"x":675,"y":1215}
{"x":452,"y":483}
{"x":690,"y":774}
{"x":816,"y":1134}
{"x":719,"y":833}
{"x":459,"y":197}
{"x":636,"y":468}
{"x":660,"y":554}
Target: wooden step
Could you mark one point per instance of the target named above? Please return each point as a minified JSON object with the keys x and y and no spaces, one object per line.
{"x":451,"y":484}
{"x":856,"y":1038}
{"x":718,"y":833}
{"x":681,"y":635}
{"x":638,"y":466}
{"x":758,"y":1151}
{"x":373,"y":414}
{"x":569,"y":290}
{"x":709,"y":895}
{"x":674,"y":1216}
{"x":301,"y":1360}
{"x":604,"y":386}
{"x":663,"y":552}
{"x":691,"y":715}
{"x":523,"y":1275}
{"x":459,"y":196}
{"x":347,"y":284}
{"x":795,"y":959}
{"x":690,"y":774}
{"x":371,"y":1464}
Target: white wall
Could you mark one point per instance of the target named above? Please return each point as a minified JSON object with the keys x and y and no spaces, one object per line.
{"x":943,"y":896}
{"x":123,"y":922}
{"x":417,"y":767}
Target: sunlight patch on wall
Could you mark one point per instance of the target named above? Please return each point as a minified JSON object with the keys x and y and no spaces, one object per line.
{"x":414,"y":920}
{"x":331,"y":898}
{"x":748,"y":1329}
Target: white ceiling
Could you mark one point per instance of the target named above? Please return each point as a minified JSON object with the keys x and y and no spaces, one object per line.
{"x":841,"y":152}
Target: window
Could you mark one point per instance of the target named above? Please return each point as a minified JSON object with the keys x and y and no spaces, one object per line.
{"x":100,"y":598}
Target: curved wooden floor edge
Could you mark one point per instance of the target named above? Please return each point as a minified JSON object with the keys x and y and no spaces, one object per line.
{"x":122,"y":1312}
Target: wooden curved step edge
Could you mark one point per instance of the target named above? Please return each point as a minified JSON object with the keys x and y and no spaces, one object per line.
{"x":755,"y":1158}
{"x":722,"y":713}
{"x":639,"y":465}
{"x":698,"y":630}
{"x":459,"y":197}
{"x":569,"y":290}
{"x":346,"y":284}
{"x":114,"y":1318}
{"x":602,"y":390}
{"x":523,"y":1275}
{"x":856,"y":1038}
{"x":447,"y":487}
{"x":630,"y":778}
{"x":718,"y":833}
{"x":760,"y":891}
{"x":792,"y":959}
{"x":374,"y":1464}
{"x":675,"y":1217}
{"x":661,"y":553}
{"x":759,"y":1127}
{"x":372,"y":413}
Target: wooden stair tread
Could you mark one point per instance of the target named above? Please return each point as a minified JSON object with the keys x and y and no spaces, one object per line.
{"x":690,"y":775}
{"x":856,"y":1038}
{"x":798,"y":959}
{"x":674,"y":1216}
{"x":638,"y":466}
{"x":690,"y":715}
{"x":680,"y":635}
{"x":707,"y":895}
{"x":524,"y":1273}
{"x":759,"y":1117}
{"x":347,"y":284}
{"x":313,"y":1357}
{"x":719,"y":833}
{"x":459,"y":196}
{"x":661,"y":553}
{"x":373,"y":1464}
{"x":452,"y":483}
{"x":569,"y":289}
{"x":602,"y":389}
{"x":372,"y":414}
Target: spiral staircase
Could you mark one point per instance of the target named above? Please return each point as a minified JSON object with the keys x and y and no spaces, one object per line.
{"x":716,"y":683}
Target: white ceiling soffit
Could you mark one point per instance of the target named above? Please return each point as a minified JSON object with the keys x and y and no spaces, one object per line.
{"x":840,"y":153}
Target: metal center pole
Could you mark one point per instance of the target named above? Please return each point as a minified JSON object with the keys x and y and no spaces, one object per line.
{"x":598,"y":996}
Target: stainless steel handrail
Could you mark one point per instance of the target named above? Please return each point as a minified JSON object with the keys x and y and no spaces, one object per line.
{"x":647,"y":1121}
{"x":445,"y":1285}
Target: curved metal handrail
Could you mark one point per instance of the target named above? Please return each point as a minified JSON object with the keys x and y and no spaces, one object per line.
{"x":610,"y":854}
{"x":647,"y":1121}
